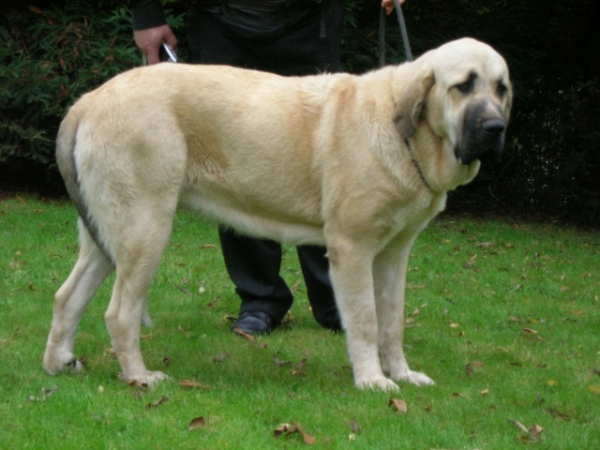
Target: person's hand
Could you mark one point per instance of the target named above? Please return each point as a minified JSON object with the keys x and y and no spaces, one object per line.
{"x":150,"y":40}
{"x":388,"y":5}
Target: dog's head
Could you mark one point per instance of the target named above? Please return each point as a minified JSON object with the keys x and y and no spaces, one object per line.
{"x":462,"y":89}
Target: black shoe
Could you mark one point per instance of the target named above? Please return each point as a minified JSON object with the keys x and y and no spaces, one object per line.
{"x":332,"y":321}
{"x":255,"y":322}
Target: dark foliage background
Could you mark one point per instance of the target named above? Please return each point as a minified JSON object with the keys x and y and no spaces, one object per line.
{"x":52,"y":52}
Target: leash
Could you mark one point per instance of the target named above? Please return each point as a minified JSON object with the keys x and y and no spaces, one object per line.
{"x":409,"y":57}
{"x":403,"y":31}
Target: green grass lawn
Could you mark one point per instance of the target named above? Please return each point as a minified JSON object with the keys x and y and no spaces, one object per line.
{"x":504,"y":316}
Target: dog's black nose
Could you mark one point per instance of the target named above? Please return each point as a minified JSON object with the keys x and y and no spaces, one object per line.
{"x":493,"y":126}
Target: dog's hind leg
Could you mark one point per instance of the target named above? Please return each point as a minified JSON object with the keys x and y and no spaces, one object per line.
{"x":137,"y":254}
{"x":90,"y":270}
{"x":390,"y":279}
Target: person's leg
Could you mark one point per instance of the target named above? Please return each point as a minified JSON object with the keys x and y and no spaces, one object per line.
{"x":253,"y":266}
{"x":315,"y":267}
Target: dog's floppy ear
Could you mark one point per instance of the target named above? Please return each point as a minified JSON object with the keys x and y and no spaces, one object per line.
{"x":407,"y":110}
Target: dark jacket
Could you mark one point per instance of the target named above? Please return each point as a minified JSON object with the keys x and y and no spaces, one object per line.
{"x":150,"y":14}
{"x":147,"y":14}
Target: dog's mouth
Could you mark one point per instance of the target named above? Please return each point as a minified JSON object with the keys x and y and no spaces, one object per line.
{"x":483,"y":139}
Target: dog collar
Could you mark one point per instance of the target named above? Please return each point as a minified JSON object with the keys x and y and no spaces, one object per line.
{"x":416,"y":164}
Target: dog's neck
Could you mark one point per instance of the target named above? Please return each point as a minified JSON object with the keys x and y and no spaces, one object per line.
{"x":416,"y":164}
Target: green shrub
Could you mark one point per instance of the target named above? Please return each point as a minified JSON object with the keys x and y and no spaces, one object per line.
{"x":49,"y":58}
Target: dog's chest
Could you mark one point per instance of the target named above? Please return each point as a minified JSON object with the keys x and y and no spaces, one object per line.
{"x":408,"y":221}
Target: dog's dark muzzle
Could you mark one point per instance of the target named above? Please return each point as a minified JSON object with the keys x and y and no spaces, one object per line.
{"x":483,"y":136}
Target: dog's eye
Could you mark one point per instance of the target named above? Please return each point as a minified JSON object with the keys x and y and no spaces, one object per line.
{"x":467,"y":86}
{"x":501,"y":90}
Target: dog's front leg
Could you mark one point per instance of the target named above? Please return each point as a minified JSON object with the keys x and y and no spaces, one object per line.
{"x":351,"y":275}
{"x":390,"y":279}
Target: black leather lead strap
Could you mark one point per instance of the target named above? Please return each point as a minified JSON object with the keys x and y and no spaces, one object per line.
{"x":403,"y":31}
{"x":381,"y":37}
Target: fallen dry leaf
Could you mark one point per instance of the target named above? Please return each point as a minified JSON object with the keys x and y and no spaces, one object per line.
{"x":398,"y":405}
{"x":558,"y":415}
{"x":261,"y":345}
{"x":193,"y":384}
{"x":45,"y":393}
{"x":286,"y":429}
{"x":198,"y":422}
{"x":242,"y":333}
{"x":279,"y":362}
{"x":220,"y":358}
{"x":213,"y":303}
{"x":532,"y":434}
{"x":298,"y":370}
{"x":535,"y":432}
{"x":470,"y":367}
{"x":157,"y":403}
{"x":229,"y":318}
{"x":519,"y":425}
{"x":48,"y":392}
{"x":594,"y":389}
{"x":471,"y":262}
{"x":182,"y":289}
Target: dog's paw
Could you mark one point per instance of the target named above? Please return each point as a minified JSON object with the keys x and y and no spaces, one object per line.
{"x":416,"y":378}
{"x":377,"y":384}
{"x":147,"y":380}
{"x":64,"y":364}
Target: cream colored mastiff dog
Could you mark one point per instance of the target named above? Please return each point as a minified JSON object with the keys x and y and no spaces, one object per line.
{"x":359,"y":164}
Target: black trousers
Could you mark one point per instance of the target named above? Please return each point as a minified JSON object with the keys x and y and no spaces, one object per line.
{"x":302,"y":38}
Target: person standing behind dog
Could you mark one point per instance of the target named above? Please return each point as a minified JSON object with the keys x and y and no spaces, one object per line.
{"x":286,"y":37}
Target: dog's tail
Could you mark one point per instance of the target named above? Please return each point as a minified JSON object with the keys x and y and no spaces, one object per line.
{"x":66,"y":144}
